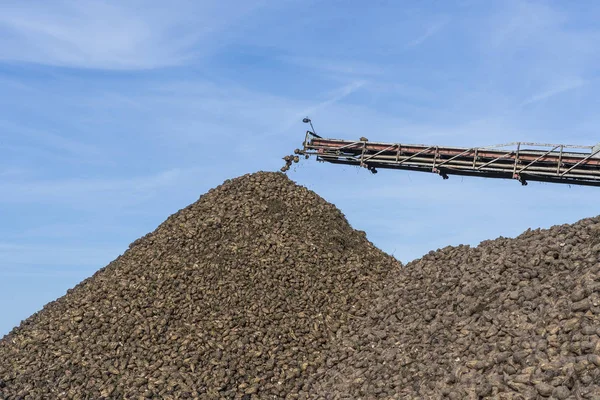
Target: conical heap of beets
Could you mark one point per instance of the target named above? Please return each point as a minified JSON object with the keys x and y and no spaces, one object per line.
{"x":243,"y":294}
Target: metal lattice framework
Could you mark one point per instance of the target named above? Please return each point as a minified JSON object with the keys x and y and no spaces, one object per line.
{"x":557,"y":163}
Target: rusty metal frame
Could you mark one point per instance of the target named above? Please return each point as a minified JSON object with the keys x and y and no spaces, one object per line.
{"x":537,"y":159}
{"x":495,"y":159}
{"x":552,"y":164}
{"x":415,"y":155}
{"x":585,"y":159}
{"x":382,"y":151}
{"x":456,"y":156}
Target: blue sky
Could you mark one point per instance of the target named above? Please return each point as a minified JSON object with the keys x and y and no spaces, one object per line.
{"x":114,"y":115}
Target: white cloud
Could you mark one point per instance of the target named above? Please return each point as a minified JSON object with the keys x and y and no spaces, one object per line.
{"x":13,"y":173}
{"x":430,"y":30}
{"x":522,"y":23}
{"x":30,"y":138}
{"x":335,"y":66}
{"x":17,"y":258}
{"x":208,"y":112}
{"x":93,"y":192}
{"x":333,"y":98}
{"x":537,"y":42}
{"x":113,"y":35}
{"x":556,"y":89}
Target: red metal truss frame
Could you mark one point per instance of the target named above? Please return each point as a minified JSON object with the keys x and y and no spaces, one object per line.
{"x":557,"y":163}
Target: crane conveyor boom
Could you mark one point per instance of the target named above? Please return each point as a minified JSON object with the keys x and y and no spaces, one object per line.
{"x":557,"y":163}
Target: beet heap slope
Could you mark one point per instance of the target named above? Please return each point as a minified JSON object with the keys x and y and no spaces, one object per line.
{"x":262,"y":290}
{"x":242,"y":293}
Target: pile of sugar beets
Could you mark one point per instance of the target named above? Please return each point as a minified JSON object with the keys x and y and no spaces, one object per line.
{"x":262,"y":290}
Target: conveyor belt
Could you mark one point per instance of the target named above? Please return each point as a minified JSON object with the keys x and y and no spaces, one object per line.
{"x":557,"y":163}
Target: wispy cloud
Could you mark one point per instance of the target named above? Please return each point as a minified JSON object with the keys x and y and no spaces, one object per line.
{"x":336,"y":96}
{"x":332,"y":98}
{"x":208,"y":112}
{"x":522,"y":23}
{"x":25,"y":138}
{"x":93,"y":192}
{"x":536,"y":41}
{"x":132,"y":35}
{"x":17,"y":258}
{"x":335,"y":66}
{"x":13,"y":173}
{"x":558,"y":88}
{"x":430,"y":30}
